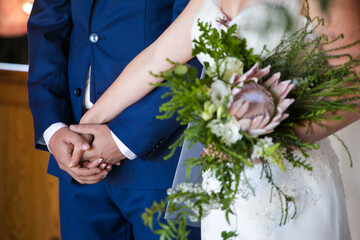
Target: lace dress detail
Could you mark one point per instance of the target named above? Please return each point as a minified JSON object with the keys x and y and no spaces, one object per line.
{"x":258,"y":216}
{"x":319,"y":195}
{"x":350,"y":176}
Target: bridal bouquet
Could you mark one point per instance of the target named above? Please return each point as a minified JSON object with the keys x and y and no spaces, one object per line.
{"x":243,"y":111}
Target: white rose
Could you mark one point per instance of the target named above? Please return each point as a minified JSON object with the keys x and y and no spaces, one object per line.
{"x":216,"y":127}
{"x":231,"y":65}
{"x":228,"y":66}
{"x":219,"y":90}
{"x":231,"y":133}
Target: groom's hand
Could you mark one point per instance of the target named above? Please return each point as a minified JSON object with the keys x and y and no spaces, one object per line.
{"x":62,"y":144}
{"x":103,"y":146}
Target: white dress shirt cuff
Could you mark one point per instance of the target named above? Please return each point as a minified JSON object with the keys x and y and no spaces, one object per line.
{"x":123,"y":149}
{"x":49,"y":132}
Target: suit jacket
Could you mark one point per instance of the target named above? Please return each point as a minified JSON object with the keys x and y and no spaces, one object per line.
{"x":65,"y":38}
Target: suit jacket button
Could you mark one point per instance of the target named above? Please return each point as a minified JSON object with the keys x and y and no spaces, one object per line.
{"x":77,"y":92}
{"x":94,"y":38}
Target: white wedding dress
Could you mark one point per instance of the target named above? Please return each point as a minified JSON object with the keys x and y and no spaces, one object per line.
{"x":319,"y":195}
{"x":351,"y":177}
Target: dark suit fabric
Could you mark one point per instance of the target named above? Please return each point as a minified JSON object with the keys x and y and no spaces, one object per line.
{"x":62,"y":47}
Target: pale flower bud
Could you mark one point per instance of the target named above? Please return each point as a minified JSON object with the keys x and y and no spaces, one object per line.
{"x":206,"y":115}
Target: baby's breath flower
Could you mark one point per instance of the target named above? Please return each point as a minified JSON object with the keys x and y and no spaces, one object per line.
{"x":170,"y":191}
{"x":267,"y":141}
{"x":192,"y":218}
{"x":189,"y":187}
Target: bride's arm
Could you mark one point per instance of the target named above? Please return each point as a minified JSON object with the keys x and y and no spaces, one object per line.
{"x":133,"y":83}
{"x":341,"y":16}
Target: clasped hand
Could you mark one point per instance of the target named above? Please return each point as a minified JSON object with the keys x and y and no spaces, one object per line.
{"x":87,"y":152}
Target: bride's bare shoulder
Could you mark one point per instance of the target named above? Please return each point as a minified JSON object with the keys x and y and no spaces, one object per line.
{"x":337,"y":12}
{"x":340,"y":17}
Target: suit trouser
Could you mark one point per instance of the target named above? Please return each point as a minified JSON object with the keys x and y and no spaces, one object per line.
{"x":106,"y":211}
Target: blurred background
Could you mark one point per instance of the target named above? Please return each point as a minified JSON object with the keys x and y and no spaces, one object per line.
{"x":29,"y":197}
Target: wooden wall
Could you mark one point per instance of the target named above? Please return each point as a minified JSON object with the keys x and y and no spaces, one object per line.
{"x":28,"y":197}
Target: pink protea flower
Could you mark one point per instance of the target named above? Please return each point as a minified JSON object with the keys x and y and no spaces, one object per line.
{"x":259,"y":106}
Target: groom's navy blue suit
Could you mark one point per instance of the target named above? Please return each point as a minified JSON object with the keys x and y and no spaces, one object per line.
{"x":66,"y":38}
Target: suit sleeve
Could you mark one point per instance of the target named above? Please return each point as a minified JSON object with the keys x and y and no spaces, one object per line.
{"x":137,"y":126}
{"x":49,"y":30}
{"x":139,"y":129}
